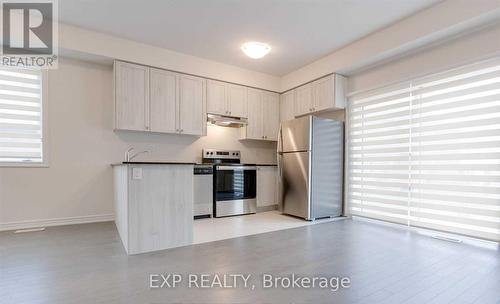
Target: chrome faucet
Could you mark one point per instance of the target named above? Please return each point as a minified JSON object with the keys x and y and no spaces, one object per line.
{"x":129,"y":157}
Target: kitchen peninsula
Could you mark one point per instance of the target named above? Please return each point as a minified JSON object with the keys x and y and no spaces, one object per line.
{"x":153,"y":205}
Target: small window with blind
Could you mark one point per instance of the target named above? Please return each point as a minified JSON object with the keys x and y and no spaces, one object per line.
{"x":426,"y":153}
{"x":22,"y":136}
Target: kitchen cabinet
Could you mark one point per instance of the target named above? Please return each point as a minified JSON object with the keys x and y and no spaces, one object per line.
{"x":216,"y":97}
{"x":191,"y":105}
{"x":271,"y":114}
{"x":267,"y":186}
{"x":237,"y":100}
{"x":131,"y":97}
{"x":303,"y":100}
{"x":155,"y":100}
{"x":163,"y":101}
{"x":263,"y":116}
{"x":255,"y":127}
{"x":226,"y":99}
{"x":327,"y":93}
{"x":287,"y":101}
{"x":153,"y":206}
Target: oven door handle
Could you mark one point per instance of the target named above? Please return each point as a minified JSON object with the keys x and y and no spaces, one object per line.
{"x":235,"y":168}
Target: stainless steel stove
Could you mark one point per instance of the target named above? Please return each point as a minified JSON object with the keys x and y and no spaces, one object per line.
{"x":235,"y":184}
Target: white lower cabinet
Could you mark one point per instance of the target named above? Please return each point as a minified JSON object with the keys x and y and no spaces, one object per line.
{"x":153,"y":206}
{"x":267,"y":186}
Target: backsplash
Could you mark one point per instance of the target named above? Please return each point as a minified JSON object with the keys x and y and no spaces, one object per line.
{"x":171,"y":147}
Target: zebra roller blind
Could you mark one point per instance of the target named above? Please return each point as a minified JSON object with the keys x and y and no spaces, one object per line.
{"x":20,"y":116}
{"x":426,"y":153}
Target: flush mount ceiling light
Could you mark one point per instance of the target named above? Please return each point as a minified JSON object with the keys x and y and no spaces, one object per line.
{"x":255,"y":49}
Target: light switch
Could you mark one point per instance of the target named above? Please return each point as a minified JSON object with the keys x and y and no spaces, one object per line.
{"x":136,"y":173}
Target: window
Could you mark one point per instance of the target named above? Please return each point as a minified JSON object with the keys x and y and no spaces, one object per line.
{"x":21,"y":117}
{"x":426,"y":153}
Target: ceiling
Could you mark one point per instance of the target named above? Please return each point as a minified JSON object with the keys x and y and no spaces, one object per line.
{"x":300,"y":31}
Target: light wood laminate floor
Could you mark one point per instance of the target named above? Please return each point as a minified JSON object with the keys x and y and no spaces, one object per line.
{"x":87,"y":264}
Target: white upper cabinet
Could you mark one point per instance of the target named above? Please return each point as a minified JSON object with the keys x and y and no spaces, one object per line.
{"x":216,"y":97}
{"x":271,"y":114}
{"x":226,"y":99}
{"x":236,"y":100}
{"x":148,"y":99}
{"x":254,"y":129}
{"x":303,"y":100}
{"x":286,"y":106}
{"x":263,"y":116}
{"x":131,"y":97}
{"x":192,"y":112}
{"x":327,"y":93}
{"x":323,"y":94}
{"x":163,"y":101}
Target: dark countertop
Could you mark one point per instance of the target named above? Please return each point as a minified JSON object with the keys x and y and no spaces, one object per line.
{"x":153,"y":163}
{"x":245,"y":164}
{"x":176,"y":163}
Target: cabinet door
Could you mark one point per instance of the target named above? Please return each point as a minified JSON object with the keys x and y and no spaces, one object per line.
{"x":191,"y":105}
{"x":271,"y":114}
{"x":163,"y":95}
{"x":286,"y":106}
{"x":303,"y":100}
{"x":236,"y":100}
{"x":131,"y":97}
{"x":216,"y":97}
{"x":266,"y":186}
{"x":255,"y":120}
{"x":323,"y":94}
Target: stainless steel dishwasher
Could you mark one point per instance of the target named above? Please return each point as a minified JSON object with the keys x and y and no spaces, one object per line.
{"x":203,"y":191}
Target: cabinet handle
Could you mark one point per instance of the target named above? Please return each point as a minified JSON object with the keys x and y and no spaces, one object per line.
{"x":182,"y":130}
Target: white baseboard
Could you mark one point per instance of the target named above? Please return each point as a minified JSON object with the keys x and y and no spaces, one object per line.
{"x":57,"y":222}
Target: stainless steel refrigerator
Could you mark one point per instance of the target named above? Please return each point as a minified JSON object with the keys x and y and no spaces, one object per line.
{"x":310,"y":167}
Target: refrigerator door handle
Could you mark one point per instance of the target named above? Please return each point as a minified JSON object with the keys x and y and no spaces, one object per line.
{"x":279,"y":156}
{"x":279,"y":147}
{"x":279,"y":152}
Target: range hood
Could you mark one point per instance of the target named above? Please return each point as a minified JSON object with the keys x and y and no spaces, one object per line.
{"x":226,"y":121}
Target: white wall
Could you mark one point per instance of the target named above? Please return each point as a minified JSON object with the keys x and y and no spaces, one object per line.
{"x":438,"y":22}
{"x":82,"y":43}
{"x":78,"y":182}
{"x":481,"y":44}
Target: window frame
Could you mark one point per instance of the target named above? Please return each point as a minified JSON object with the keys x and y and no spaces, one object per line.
{"x":45,"y":130}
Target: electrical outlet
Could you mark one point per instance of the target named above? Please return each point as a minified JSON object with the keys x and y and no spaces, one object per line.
{"x":136,"y":173}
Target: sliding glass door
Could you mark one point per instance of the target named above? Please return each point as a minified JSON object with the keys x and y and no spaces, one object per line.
{"x":426,"y":153}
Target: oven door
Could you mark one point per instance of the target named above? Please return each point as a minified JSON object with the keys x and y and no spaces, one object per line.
{"x":235,"y":190}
